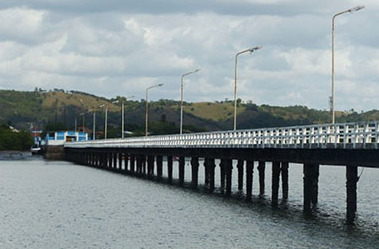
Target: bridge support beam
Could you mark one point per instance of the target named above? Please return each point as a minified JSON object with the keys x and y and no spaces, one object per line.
{"x":240,"y":174}
{"x":141,"y":164}
{"x":120,"y":156}
{"x":210,"y":173}
{"x":311,"y":174}
{"x":351,"y":192}
{"x":275,"y":183}
{"x":150,"y":166}
{"x":182,"y":162}
{"x":132,"y":159}
{"x":159,"y":167}
{"x":284,"y":172}
{"x":261,"y":170}
{"x":222,"y":176}
{"x":249,"y":179}
{"x":195,"y":171}
{"x":115,"y":159}
{"x":169,"y":168}
{"x":109,"y":160}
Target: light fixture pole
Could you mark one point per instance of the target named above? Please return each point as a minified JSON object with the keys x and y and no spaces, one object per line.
{"x":123,"y":116}
{"x":82,"y":114}
{"x":105,"y":121}
{"x":94,"y":125}
{"x":147,"y":107}
{"x":181,"y":98}
{"x":359,"y":7}
{"x":251,"y":50}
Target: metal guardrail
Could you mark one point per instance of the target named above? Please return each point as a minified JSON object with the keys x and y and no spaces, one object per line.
{"x":361,"y":135}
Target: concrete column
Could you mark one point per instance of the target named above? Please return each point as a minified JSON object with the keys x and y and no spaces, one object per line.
{"x":309,"y":176}
{"x":351,"y":192}
{"x":275,"y":183}
{"x":143,"y":165}
{"x":182,"y":162}
{"x":159,"y":167}
{"x":261,"y":170}
{"x":169,"y":168}
{"x":316,"y":173}
{"x":240,"y":174}
{"x":110,"y":161}
{"x":132,"y":163}
{"x":211,"y":171}
{"x":150,"y":166}
{"x":249,"y":179}
{"x":222,"y":175}
{"x":195,"y":171}
{"x":139,"y":164}
{"x":115,"y":161}
{"x":284,"y":171}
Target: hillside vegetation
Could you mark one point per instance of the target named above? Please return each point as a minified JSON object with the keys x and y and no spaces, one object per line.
{"x":48,"y":108}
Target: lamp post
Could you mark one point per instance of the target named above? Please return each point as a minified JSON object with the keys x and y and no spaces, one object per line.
{"x":251,"y":50}
{"x":123,"y":116}
{"x":359,"y":7}
{"x":82,"y":114}
{"x":94,"y":122}
{"x":76,"y":123}
{"x":94,"y":125}
{"x":105,"y":121}
{"x":181,"y":98}
{"x":147,"y":107}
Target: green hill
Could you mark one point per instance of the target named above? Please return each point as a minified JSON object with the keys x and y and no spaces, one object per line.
{"x":49,"y":108}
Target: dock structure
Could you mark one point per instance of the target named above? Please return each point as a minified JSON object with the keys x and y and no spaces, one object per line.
{"x":348,"y":145}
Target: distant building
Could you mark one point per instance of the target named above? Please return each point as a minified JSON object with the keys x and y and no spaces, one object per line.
{"x":60,"y":137}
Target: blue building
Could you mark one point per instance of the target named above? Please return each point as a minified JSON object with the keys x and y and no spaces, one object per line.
{"x":60,"y":137}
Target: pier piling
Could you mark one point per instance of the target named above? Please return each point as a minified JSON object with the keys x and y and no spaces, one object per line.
{"x":351,"y":192}
{"x":249,"y":179}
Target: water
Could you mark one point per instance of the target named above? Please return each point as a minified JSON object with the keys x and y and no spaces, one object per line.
{"x":54,"y":204}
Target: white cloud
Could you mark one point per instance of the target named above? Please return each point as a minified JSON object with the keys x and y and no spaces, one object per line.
{"x":114,"y":47}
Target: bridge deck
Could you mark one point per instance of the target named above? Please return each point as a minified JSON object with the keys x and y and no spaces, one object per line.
{"x":362,"y":135}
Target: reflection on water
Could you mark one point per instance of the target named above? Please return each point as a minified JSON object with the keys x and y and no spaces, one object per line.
{"x":50,"y":204}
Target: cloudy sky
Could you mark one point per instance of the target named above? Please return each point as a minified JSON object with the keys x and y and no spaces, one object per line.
{"x":121,"y":47}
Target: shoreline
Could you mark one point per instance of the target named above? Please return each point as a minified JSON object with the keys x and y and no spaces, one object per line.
{"x":14,"y":154}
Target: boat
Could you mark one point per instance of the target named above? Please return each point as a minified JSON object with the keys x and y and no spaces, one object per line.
{"x":36,"y":150}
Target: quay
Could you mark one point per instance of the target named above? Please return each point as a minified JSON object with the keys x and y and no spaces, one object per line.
{"x":349,"y":145}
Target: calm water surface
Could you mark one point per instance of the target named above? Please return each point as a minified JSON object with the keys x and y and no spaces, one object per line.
{"x":53,"y":204}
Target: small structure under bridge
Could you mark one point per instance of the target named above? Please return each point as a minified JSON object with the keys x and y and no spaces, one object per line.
{"x":347,"y":144}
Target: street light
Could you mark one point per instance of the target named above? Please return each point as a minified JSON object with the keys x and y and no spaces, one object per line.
{"x":123,"y":116}
{"x":251,"y":50}
{"x":181,"y":98}
{"x":147,"y":107}
{"x":82,"y":114}
{"x":94,"y":123}
{"x":359,"y":7}
{"x":105,"y":121}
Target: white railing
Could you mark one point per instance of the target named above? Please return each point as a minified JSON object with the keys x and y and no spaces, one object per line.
{"x":362,"y":135}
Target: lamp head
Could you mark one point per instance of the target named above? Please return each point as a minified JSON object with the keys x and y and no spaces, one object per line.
{"x":255,"y":48}
{"x":359,"y":7}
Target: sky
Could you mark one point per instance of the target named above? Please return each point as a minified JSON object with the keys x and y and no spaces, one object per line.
{"x":121,"y":47}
